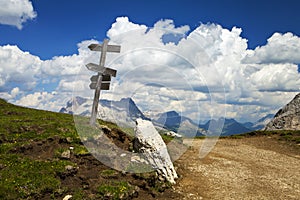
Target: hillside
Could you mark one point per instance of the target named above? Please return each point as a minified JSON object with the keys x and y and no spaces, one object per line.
{"x":42,"y":157}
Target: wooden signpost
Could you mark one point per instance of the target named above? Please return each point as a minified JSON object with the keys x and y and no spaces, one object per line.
{"x":101,"y":81}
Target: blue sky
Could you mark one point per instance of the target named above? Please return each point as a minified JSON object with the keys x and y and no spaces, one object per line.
{"x":247,"y":49}
{"x":61,"y":24}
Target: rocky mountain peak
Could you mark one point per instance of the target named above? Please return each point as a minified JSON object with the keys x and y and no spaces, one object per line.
{"x":123,"y":112}
{"x":170,"y":120}
{"x":288,"y":117}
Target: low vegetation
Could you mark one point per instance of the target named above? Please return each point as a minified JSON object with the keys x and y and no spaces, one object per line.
{"x":292,"y":136}
{"x":117,"y":190}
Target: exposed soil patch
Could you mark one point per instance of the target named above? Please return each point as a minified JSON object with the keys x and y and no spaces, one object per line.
{"x":248,"y":168}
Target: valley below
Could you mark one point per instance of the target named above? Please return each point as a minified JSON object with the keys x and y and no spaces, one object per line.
{"x":259,"y":167}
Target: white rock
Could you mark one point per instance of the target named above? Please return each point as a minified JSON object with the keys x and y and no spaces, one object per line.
{"x":138,"y":159}
{"x":66,"y":154}
{"x":173,"y":134}
{"x":149,"y":142}
{"x":67,"y":197}
{"x":69,"y":167}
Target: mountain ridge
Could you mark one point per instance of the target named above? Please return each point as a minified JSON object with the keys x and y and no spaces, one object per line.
{"x":225,"y":127}
{"x":124,"y":112}
{"x":288,"y":117}
{"x":173,"y":121}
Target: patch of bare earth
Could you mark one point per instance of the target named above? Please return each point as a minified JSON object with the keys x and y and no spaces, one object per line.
{"x":248,"y":168}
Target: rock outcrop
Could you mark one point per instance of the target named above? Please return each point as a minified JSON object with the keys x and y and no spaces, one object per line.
{"x":150,"y":144}
{"x":287,"y":118}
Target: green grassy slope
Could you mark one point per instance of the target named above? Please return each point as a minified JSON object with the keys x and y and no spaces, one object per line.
{"x":20,"y":176}
{"x":32,"y":165}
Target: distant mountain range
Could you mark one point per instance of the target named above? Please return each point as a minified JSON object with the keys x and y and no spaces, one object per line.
{"x":173,"y":121}
{"x":225,"y":126}
{"x":125,"y":112}
{"x":259,"y":124}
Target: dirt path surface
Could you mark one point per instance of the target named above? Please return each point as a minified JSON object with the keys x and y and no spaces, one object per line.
{"x":249,"y":168}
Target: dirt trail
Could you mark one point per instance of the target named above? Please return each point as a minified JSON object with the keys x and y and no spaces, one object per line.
{"x":249,"y":168}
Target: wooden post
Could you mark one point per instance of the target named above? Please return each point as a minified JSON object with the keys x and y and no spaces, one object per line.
{"x":98,"y":86}
{"x":102,"y":80}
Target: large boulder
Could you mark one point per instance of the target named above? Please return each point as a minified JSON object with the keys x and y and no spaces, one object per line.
{"x":149,"y":142}
{"x":287,"y":118}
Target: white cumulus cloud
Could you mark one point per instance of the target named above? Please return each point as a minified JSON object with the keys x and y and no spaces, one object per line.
{"x":16,"y":12}
{"x":209,"y":59}
{"x":277,"y":77}
{"x":280,"y":48}
{"x":18,"y":67}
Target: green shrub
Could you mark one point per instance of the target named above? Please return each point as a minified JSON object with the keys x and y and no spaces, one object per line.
{"x":115,"y":190}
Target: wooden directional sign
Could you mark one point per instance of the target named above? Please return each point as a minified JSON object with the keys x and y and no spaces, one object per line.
{"x":104,"y":78}
{"x":101,"y":70}
{"x":110,"y":48}
{"x":104,"y":85}
{"x":94,"y":78}
{"x":105,"y":82}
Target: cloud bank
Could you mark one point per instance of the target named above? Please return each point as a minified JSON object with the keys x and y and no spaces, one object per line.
{"x":16,"y":12}
{"x":205,"y":72}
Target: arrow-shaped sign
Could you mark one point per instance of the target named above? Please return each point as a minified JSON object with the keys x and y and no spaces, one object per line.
{"x":104,"y":78}
{"x":104,"y":86}
{"x":101,"y":70}
{"x":110,"y":48}
{"x":105,"y":81}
